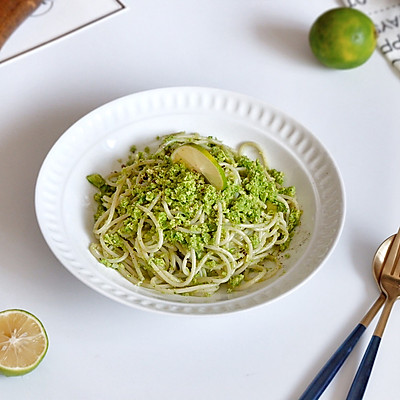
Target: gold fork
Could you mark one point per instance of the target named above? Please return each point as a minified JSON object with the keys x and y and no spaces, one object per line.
{"x":390,"y":285}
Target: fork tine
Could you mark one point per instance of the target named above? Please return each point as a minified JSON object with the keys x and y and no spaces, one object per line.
{"x":396,"y":267}
{"x":390,"y":264}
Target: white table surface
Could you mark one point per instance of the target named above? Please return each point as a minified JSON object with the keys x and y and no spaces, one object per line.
{"x":100,"y":349}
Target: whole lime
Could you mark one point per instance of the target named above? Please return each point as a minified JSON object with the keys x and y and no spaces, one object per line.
{"x":343,"y":38}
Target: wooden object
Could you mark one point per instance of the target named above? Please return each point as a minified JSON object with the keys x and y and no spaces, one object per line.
{"x":12,"y":14}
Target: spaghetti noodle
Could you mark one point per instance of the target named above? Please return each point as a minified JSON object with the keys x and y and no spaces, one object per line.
{"x":163,"y":227}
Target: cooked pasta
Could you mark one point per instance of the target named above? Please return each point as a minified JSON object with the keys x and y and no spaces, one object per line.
{"x":162,"y":226}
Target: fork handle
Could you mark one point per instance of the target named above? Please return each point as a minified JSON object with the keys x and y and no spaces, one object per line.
{"x":361,"y":379}
{"x":364,"y":370}
{"x":329,"y":370}
{"x":332,"y":366}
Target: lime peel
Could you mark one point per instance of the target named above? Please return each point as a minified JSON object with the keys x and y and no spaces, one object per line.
{"x":199,"y":159}
{"x":23,"y":342}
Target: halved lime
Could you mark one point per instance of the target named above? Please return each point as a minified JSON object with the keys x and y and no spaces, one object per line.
{"x":199,"y":159}
{"x":23,"y":342}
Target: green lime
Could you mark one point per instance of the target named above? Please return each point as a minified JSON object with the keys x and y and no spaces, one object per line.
{"x":197,"y":158}
{"x":23,"y":342}
{"x":343,"y":38}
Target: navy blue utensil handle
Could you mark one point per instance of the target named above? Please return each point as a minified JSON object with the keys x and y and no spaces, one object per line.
{"x":329,"y":370}
{"x":360,"y":381}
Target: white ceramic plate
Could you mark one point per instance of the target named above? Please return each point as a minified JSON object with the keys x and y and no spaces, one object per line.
{"x":65,"y":208}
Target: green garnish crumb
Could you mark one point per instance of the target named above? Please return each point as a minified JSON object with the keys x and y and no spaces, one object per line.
{"x":178,"y":195}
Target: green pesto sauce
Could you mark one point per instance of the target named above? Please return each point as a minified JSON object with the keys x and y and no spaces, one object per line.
{"x":186,"y":192}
